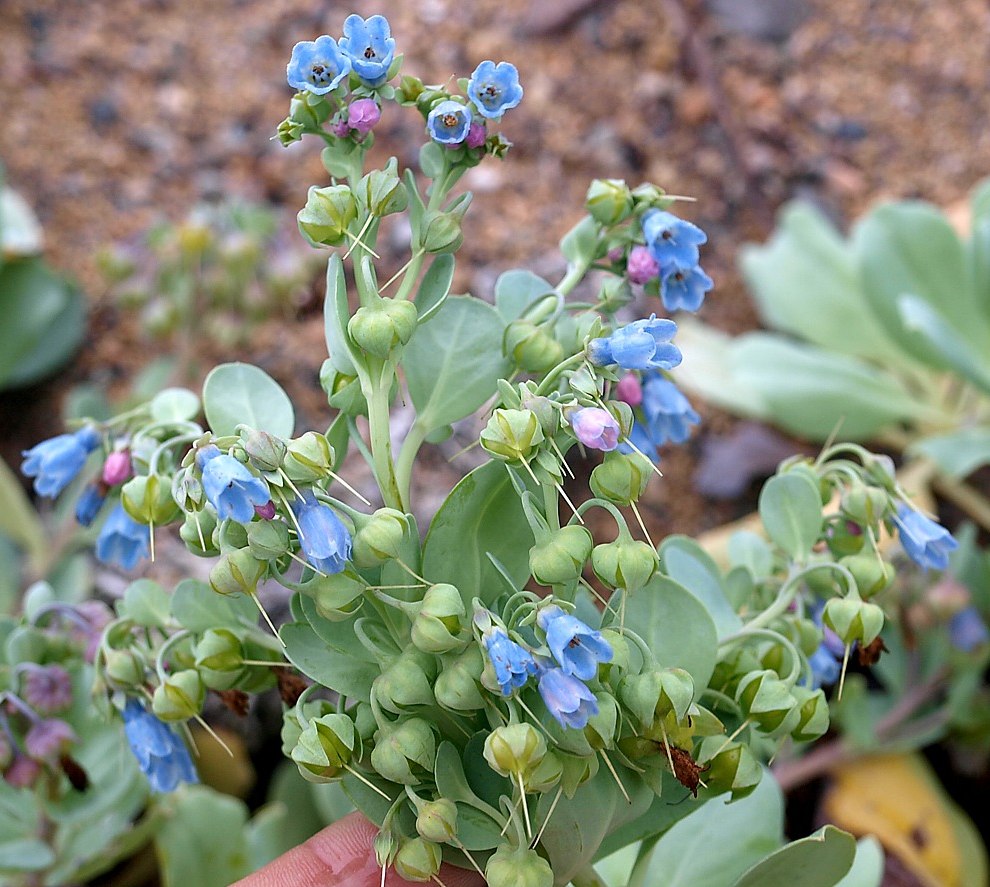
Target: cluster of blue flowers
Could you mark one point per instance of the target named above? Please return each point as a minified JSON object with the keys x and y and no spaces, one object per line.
{"x":367,"y":48}
{"x":577,"y":649}
{"x":673,"y":244}
{"x":492,"y":90}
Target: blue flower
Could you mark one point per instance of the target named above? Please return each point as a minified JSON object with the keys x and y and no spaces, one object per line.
{"x":494,"y":88}
{"x":576,"y":646}
{"x":669,"y":416}
{"x":684,"y":288}
{"x":639,"y":439}
{"x":122,"y":540}
{"x":449,"y":123}
{"x":825,"y":666}
{"x":513,"y":663}
{"x":926,"y":542}
{"x":968,"y":631}
{"x":317,"y":66}
{"x":370,"y":47}
{"x":54,"y":463}
{"x":640,"y":345}
{"x":322,"y":535}
{"x":161,"y":754}
{"x":230,"y":487}
{"x":672,"y":241}
{"x":89,"y":503}
{"x":567,"y":698}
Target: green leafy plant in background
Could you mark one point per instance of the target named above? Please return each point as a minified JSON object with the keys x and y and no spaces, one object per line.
{"x":882,"y":335}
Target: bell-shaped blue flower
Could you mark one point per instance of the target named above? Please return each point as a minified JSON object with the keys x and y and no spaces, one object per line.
{"x":55,"y":462}
{"x":230,"y":487}
{"x":567,"y":698}
{"x":825,"y":666}
{"x":577,"y":647}
{"x":161,"y":754}
{"x":494,"y":88}
{"x":640,"y":345}
{"x":89,"y":503}
{"x":122,"y":540}
{"x":672,"y":241}
{"x":370,"y":47}
{"x":668,"y":413}
{"x":683,"y":289}
{"x":317,"y":66}
{"x":512,"y":662}
{"x":926,"y":542}
{"x":639,"y":440}
{"x":449,"y":123}
{"x":323,"y":537}
{"x":968,"y":631}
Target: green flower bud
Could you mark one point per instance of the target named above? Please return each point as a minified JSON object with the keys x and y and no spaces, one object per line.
{"x":264,"y":451}
{"x":547,"y":414}
{"x":437,"y":627}
{"x":621,"y":478}
{"x":327,"y":214}
{"x":383,"y":326}
{"x":148,"y":499}
{"x":385,"y":845}
{"x":187,"y":490}
{"x":410,"y":89}
{"x":197,"y":532}
{"x":546,"y":774}
{"x":324,"y":746}
{"x":124,"y":669}
{"x":437,"y":820}
{"x":289,"y":131}
{"x":530,"y":347}
{"x":268,"y":539}
{"x":406,"y":752}
{"x":806,"y":635}
{"x":309,"y":109}
{"x":578,"y":769}
{"x":813,"y":714}
{"x":379,"y":538}
{"x":512,"y":435}
{"x":853,"y":620}
{"x":381,"y":191}
{"x":609,"y":201}
{"x":364,"y":721}
{"x":456,"y":686}
{"x":418,"y":860}
{"x":514,"y":749}
{"x":237,"y":571}
{"x":865,"y":505}
{"x":625,"y":563}
{"x":407,"y":681}
{"x":560,"y":558}
{"x":615,"y":293}
{"x":881,"y":470}
{"x":308,"y":458}
{"x":230,"y":535}
{"x":179,"y":697}
{"x":343,"y":391}
{"x":519,"y":867}
{"x":872,"y":574}
{"x":656,"y":693}
{"x":441,"y":232}
{"x":292,"y":721}
{"x":647,"y":196}
{"x":337,"y":595}
{"x":219,"y":658}
{"x":843,"y":538}
{"x":767,"y":700}
{"x":731,"y":767}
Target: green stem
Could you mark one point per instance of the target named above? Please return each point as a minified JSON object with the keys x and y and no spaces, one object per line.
{"x":587,"y":877}
{"x":776,"y":638}
{"x":407,"y":459}
{"x":789,"y":590}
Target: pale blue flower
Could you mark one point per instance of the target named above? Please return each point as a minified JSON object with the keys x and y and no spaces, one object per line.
{"x":639,"y":439}
{"x":323,"y":537}
{"x":513,"y":663}
{"x":230,"y":487}
{"x":566,"y":698}
{"x":684,"y":288}
{"x":640,"y":345}
{"x":161,"y":754}
{"x":370,"y":47}
{"x":672,"y":241}
{"x":968,"y":631}
{"x":494,"y":88}
{"x":122,"y":540}
{"x":55,"y":462}
{"x":577,"y":647}
{"x":88,"y":504}
{"x":317,"y":66}
{"x":926,"y":542}
{"x":449,"y":123}
{"x":668,"y":413}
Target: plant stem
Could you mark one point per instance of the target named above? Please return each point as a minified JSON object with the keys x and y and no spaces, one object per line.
{"x":587,"y":877}
{"x":407,"y":459}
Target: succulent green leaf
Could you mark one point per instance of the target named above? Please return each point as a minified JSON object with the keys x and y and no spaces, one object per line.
{"x":239,"y":393}
{"x":820,"y":860}
{"x":791,"y":511}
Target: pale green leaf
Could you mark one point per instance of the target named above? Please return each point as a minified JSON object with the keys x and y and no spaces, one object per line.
{"x":434,"y":287}
{"x":336,"y":314}
{"x":516,"y":289}
{"x":686,"y":562}
{"x":868,"y":866}
{"x":958,"y":453}
{"x":791,"y":511}
{"x":174,"y":405}
{"x":241,"y":394}
{"x":821,"y":860}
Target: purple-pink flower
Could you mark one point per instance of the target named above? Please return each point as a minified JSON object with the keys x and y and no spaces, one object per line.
{"x":595,"y":428}
{"x":641,"y":266}
{"x":47,"y":688}
{"x":476,"y":135}
{"x":48,"y":740}
{"x":117,"y":468}
{"x":363,"y":114}
{"x":629,"y":390}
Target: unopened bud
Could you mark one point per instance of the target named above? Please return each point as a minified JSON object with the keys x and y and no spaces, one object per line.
{"x":512,"y":435}
{"x":327,"y":214}
{"x":530,"y":347}
{"x":418,"y":860}
{"x":853,"y":620}
{"x":324,"y":747}
{"x":179,"y":697}
{"x":237,"y":571}
{"x":560,"y":558}
{"x":379,"y":538}
{"x":625,"y":563}
{"x":621,"y":478}
{"x":437,"y":627}
{"x":519,"y":867}
{"x":405,"y":752}
{"x":437,"y":820}
{"x":514,"y":749}
{"x":264,"y":451}
{"x":383,"y":326}
{"x":609,"y":201}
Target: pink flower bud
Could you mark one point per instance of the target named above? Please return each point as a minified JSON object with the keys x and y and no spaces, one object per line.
{"x":49,"y":740}
{"x":641,"y":266}
{"x":117,"y":468}
{"x":363,"y":114}
{"x":595,"y":428}
{"x":23,"y":772}
{"x":341,"y":129}
{"x":476,"y":135}
{"x":266,"y":511}
{"x":629,"y":391}
{"x":47,"y":688}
